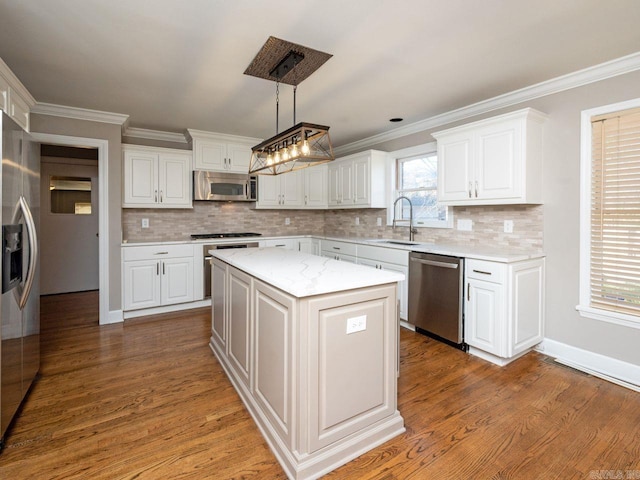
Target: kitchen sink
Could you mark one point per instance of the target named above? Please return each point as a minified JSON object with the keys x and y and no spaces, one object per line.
{"x":397,"y":242}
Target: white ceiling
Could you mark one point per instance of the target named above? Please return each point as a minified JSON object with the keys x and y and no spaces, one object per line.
{"x":176,"y":64}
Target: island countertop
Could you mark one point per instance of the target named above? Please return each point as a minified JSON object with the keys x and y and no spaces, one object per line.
{"x":302,"y":274}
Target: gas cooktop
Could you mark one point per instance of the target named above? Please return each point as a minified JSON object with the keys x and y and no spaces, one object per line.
{"x":197,"y":236}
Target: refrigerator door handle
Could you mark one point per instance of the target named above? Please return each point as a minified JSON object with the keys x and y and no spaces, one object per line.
{"x":22,"y":292}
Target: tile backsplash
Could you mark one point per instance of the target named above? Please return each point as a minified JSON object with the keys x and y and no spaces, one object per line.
{"x":207,"y":217}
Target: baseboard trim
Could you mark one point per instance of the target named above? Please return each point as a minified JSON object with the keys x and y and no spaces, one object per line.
{"x":616,"y":371}
{"x":167,"y":309}
{"x":114,"y":316}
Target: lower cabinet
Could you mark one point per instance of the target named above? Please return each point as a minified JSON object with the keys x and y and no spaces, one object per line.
{"x":157,"y":276}
{"x":309,"y":245}
{"x":393,"y":260}
{"x":504,"y":308}
{"x":337,"y":250}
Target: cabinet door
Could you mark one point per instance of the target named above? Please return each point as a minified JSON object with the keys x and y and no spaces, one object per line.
{"x":240,"y":338}
{"x":291,"y":186}
{"x":268,"y":191}
{"x":315,"y":186}
{"x":218,"y":311}
{"x":403,"y":286}
{"x":177,"y":280}
{"x":140,"y":178}
{"x":498,"y":162}
{"x":174,"y":180}
{"x":309,"y":245}
{"x":455,"y":168}
{"x":346,"y":184}
{"x":210,"y":155}
{"x":141,"y":284}
{"x":274,"y":315}
{"x":361,"y":181}
{"x":333,"y":190}
{"x":484,"y":317}
{"x":238,"y":158}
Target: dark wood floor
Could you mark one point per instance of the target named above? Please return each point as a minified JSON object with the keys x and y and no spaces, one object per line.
{"x":147,"y":400}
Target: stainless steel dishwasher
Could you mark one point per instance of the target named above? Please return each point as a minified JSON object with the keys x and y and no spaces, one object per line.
{"x":436,"y":284}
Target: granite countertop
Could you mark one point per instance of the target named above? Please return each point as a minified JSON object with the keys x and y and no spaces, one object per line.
{"x":303,"y":274}
{"x":489,"y":253}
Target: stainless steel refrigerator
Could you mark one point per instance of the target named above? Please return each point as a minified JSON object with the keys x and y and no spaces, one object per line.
{"x":20,"y":302}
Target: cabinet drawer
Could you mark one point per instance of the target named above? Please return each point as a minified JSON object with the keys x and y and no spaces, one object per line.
{"x":487,"y":271}
{"x":331,"y":246}
{"x":382,"y":254}
{"x":157,"y":252}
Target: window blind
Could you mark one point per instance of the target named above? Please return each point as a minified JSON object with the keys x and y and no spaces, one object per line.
{"x":615,"y":212}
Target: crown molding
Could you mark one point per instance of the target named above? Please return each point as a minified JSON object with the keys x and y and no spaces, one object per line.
{"x":596,"y":73}
{"x":133,"y":132}
{"x":16,"y":84}
{"x":79,"y":113}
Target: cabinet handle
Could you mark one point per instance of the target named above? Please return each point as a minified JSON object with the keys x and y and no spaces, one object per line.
{"x":481,"y":272}
{"x":336,"y":248}
{"x":476,"y":189}
{"x":161,"y":253}
{"x":305,"y":199}
{"x":163,"y":272}
{"x":158,"y":268}
{"x":155,"y":192}
{"x":469,"y":189}
{"x":160,"y":196}
{"x":468,"y":293}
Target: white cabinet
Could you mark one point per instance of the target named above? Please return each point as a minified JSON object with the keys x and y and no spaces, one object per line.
{"x":315,"y":186}
{"x":221,"y":153}
{"x":286,"y":243}
{"x":344,"y":251}
{"x":504,"y":308}
{"x":156,"y":177}
{"x":15,"y":100}
{"x":358,"y":181}
{"x":283,"y":190}
{"x":393,"y":260}
{"x":309,"y":245}
{"x":493,"y":161}
{"x":155,"y":276}
{"x":300,"y":189}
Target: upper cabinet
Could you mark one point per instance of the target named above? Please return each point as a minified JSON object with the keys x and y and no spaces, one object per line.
{"x":221,"y":153}
{"x":358,"y":181}
{"x":492,"y":162}
{"x":156,"y":177}
{"x":15,"y":100}
{"x":300,"y":189}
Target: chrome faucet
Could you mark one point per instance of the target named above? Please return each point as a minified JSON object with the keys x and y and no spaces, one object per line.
{"x":412,"y":230}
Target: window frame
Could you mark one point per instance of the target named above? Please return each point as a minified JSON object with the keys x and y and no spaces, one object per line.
{"x":407,"y":153}
{"x":584,"y":307}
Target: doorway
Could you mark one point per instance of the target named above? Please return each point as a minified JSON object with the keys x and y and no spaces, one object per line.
{"x":69,"y":219}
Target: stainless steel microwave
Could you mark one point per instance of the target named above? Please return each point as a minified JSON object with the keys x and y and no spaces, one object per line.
{"x":226,"y":187}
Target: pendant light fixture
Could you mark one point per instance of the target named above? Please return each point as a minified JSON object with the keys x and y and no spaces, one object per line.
{"x":304,"y":144}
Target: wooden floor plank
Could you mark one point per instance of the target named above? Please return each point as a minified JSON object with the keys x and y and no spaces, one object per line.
{"x":147,"y":400}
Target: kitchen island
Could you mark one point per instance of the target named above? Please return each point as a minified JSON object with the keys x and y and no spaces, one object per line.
{"x":311,"y":346}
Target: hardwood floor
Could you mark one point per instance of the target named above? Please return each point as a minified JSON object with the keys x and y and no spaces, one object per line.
{"x":147,"y":400}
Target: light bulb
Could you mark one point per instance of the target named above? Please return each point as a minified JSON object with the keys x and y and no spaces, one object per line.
{"x":269,"y":159}
{"x":285,"y":153}
{"x":305,"y":148}
{"x":294,"y":151}
{"x":276,"y":157}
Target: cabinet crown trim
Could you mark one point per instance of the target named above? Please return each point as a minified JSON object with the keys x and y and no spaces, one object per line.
{"x":192,"y":135}
{"x":528,"y":113}
{"x":16,"y":84}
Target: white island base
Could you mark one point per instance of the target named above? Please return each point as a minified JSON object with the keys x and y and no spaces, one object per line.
{"x":316,"y":372}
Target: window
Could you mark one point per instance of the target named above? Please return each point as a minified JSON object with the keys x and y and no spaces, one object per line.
{"x":417,"y":179}
{"x":610,"y":223}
